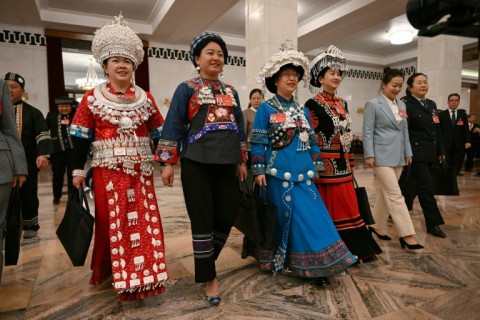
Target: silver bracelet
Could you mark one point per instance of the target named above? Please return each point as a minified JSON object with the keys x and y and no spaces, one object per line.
{"x":79,"y":173}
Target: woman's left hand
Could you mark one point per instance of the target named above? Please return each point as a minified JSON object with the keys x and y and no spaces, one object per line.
{"x":370,"y":162}
{"x":408,"y":160}
{"x":242,"y":172}
{"x":42,"y":162}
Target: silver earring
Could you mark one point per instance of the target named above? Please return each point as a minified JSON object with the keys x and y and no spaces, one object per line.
{"x":196,"y":72}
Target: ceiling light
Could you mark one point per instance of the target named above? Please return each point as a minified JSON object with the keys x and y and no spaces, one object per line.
{"x":400,"y":36}
{"x":90,"y":80}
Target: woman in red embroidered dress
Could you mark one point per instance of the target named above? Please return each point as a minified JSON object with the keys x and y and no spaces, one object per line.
{"x":331,"y":122}
{"x":117,"y":118}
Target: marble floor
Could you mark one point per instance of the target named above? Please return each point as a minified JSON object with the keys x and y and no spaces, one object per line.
{"x":441,"y":281}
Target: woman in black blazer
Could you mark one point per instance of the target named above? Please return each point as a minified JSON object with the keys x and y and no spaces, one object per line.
{"x":425,"y":139}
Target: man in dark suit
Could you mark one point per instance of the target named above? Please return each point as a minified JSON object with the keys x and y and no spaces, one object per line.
{"x":474,"y":129}
{"x":455,"y":134}
{"x":36,"y":141}
{"x":58,"y":122}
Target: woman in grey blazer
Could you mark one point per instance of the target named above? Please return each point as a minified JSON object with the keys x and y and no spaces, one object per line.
{"x":387,"y":149}
{"x":13,"y":166}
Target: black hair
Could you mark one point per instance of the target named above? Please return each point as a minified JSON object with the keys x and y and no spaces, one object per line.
{"x":453,"y":94}
{"x":270,"y":81}
{"x":256,"y":90}
{"x":389,"y":74}
{"x":324,"y":70}
{"x":411,"y":79}
{"x":198,"y":49}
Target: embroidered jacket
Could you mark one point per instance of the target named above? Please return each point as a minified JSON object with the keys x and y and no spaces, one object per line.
{"x":331,"y":123}
{"x":204,"y":124}
{"x":59,"y":125}
{"x":121,"y":126}
{"x":33,"y":132}
{"x":281,"y":132}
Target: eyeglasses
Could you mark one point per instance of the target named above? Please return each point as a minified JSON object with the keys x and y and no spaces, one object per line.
{"x":288,"y":75}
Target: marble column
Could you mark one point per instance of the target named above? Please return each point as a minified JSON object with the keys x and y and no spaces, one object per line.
{"x":268,"y":23}
{"x":440,"y":58}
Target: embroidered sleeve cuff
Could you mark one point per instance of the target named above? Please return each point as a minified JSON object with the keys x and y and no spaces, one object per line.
{"x":258,"y":165}
{"x":319,"y":165}
{"x":155,"y":133}
{"x":166,"y":152}
{"x":259,"y":136}
{"x":81,"y":132}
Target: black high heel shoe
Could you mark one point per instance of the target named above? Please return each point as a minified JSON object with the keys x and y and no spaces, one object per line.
{"x":403,"y":244}
{"x":380,"y":236}
{"x":321,"y":282}
{"x":213,"y":300}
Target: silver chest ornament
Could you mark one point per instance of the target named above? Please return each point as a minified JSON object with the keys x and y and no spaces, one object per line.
{"x":303,"y":136}
{"x":126,"y":123}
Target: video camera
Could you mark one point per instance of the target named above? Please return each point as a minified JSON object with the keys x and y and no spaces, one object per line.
{"x":451,"y":17}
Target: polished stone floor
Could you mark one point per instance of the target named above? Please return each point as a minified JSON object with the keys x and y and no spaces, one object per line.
{"x":441,"y":281}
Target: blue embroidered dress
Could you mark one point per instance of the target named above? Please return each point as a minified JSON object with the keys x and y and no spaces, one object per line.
{"x":285,"y":149}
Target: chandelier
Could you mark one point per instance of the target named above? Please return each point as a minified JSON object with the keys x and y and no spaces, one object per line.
{"x":90,"y":80}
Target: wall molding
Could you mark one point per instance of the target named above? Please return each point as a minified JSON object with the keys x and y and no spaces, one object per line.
{"x":23,"y":38}
{"x":375,"y":75}
{"x":37,"y":39}
{"x":184,"y":55}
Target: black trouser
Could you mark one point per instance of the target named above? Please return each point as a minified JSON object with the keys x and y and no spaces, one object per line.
{"x":61,"y":161}
{"x":422,"y":175}
{"x":29,"y":201}
{"x":5,"y":189}
{"x":211,"y":198}
{"x":454,"y":157}
{"x":470,"y":153}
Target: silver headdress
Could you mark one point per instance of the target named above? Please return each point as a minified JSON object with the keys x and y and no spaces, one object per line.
{"x":116,"y":38}
{"x":286,"y":56}
{"x":332,"y":58}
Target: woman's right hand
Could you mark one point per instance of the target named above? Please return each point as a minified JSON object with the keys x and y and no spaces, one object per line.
{"x":78,"y":181}
{"x":167,"y":175}
{"x":260,"y":180}
{"x":370,"y":162}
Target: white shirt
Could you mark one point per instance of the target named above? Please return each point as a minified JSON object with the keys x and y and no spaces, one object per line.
{"x":394,"y":107}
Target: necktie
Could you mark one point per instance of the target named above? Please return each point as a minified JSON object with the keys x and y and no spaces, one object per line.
{"x":453,"y":118}
{"x":424,"y":104}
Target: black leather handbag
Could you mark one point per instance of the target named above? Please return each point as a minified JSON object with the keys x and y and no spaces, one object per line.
{"x":257,"y":216}
{"x":13,"y":228}
{"x":246,"y":220}
{"x":267,"y":218}
{"x":444,"y":180}
{"x":363,"y":203}
{"x":76,"y":229}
